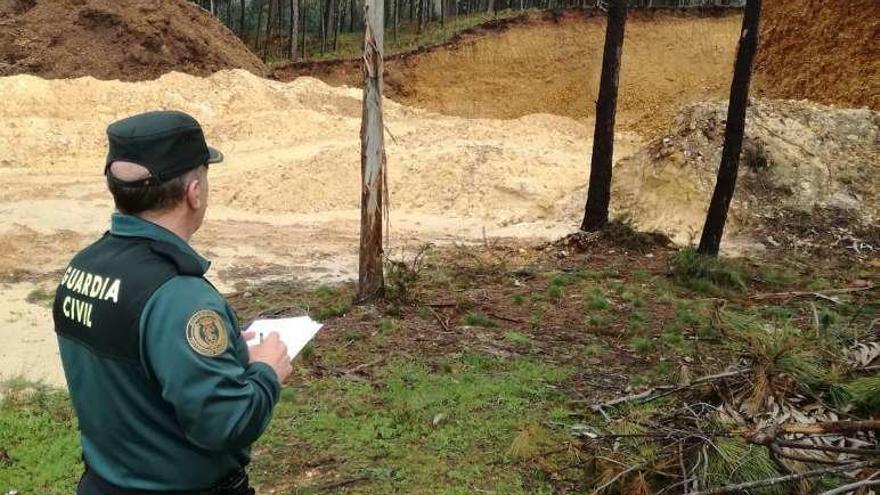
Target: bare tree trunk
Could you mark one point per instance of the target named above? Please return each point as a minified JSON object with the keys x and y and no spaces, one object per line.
{"x":305,"y":13}
{"x":351,"y":14}
{"x":337,"y":21}
{"x":269,"y":26}
{"x":713,"y":229}
{"x":324,"y":12}
{"x":371,"y":281}
{"x":294,"y":29}
{"x":259,"y":26}
{"x":599,"y":192}
{"x":241,"y":22}
{"x":396,"y":18}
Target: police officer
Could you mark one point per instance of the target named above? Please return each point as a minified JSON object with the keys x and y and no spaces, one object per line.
{"x":168,"y":395}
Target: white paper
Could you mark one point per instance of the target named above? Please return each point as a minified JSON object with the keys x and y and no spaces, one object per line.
{"x":294,"y":332}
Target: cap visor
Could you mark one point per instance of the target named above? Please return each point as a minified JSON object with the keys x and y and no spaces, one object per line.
{"x":214,"y":155}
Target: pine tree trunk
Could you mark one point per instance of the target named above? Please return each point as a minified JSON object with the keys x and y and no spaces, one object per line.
{"x":269,"y":26}
{"x":294,"y":29}
{"x":396,"y":18}
{"x":259,"y":26}
{"x":241,"y":33}
{"x":324,"y":14}
{"x":371,"y":281}
{"x":599,"y":192}
{"x":305,"y":13}
{"x":713,"y":229}
{"x":336,"y":25}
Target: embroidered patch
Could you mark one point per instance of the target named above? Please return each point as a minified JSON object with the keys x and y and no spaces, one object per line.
{"x":206,"y":334}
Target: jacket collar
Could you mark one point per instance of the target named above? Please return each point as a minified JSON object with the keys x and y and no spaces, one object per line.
{"x":132,"y":226}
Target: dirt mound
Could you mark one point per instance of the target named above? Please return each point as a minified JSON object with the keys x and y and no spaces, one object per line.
{"x":799,"y":159}
{"x":111,"y":39}
{"x":822,"y":51}
{"x":550,"y":63}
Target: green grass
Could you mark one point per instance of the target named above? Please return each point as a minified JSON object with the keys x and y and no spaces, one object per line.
{"x":38,"y":432}
{"x":706,"y":274}
{"x":518,"y":338}
{"x":386,"y":431}
{"x":479,"y":320}
{"x":642,"y":345}
{"x":596,"y":300}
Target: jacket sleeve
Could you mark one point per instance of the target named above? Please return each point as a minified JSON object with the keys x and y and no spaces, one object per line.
{"x":221,"y":403}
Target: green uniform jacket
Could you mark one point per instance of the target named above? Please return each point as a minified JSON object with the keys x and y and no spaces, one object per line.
{"x":157,"y":369}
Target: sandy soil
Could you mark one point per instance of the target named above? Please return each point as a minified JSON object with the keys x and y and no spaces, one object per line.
{"x":285,"y":202}
{"x":551,"y":63}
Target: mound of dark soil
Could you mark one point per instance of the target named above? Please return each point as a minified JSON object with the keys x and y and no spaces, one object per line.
{"x":822,"y":51}
{"x":130,"y":40}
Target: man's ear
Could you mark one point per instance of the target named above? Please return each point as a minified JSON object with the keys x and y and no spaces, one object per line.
{"x":194,"y":193}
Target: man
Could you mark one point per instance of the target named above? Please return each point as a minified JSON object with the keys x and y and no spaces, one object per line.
{"x":168,"y":395}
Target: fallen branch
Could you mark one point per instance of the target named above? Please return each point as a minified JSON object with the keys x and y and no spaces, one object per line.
{"x":442,"y":323}
{"x":828,"y":448}
{"x":830,"y":427}
{"x":822,"y":294}
{"x":665,"y":390}
{"x":851,"y":487}
{"x":784,"y":479}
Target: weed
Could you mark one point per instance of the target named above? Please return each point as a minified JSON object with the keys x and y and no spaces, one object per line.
{"x":596,"y":321}
{"x":642,"y":345}
{"x":597,"y":349}
{"x":388,"y":325}
{"x":519,"y":299}
{"x":479,"y":320}
{"x":518,"y":338}
{"x":673,"y":337}
{"x":596,"y":300}
{"x":41,"y":297}
{"x":401,"y":277}
{"x":706,"y":273}
{"x":332,"y":310}
{"x":555,"y":292}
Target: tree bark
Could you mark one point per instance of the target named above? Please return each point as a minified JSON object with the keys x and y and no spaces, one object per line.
{"x":305,"y":13}
{"x":259,"y":26}
{"x":269,"y":27}
{"x":371,"y":281}
{"x":396,"y":18}
{"x":241,"y":22}
{"x":599,"y":191}
{"x":713,"y":229}
{"x":294,"y":29}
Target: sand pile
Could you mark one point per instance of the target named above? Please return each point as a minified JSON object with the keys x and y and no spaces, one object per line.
{"x":130,"y":40}
{"x":822,"y":51}
{"x":799,"y":158}
{"x":294,"y":147}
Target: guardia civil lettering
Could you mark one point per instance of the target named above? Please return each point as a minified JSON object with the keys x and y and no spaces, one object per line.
{"x":90,"y":285}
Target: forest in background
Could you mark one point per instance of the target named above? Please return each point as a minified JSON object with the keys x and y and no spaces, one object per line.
{"x":283,"y":30}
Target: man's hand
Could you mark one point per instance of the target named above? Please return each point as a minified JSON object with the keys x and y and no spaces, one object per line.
{"x":272,"y":352}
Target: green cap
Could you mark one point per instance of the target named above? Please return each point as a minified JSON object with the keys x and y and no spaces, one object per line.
{"x":167,"y":143}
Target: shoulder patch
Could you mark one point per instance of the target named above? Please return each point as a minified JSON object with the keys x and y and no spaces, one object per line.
{"x":206,"y":334}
